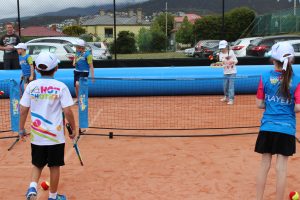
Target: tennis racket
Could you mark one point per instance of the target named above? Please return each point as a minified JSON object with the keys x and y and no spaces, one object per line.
{"x":75,"y":145}
{"x":21,"y":86}
{"x":13,"y":144}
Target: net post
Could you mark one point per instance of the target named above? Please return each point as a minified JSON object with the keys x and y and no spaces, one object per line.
{"x":83,"y":103}
{"x":14,"y":98}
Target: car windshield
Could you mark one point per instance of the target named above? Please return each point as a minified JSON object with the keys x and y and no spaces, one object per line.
{"x":69,"y":48}
{"x":256,"y":41}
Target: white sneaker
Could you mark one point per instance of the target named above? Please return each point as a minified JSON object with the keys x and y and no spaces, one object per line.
{"x":224,"y":99}
{"x":230,"y":102}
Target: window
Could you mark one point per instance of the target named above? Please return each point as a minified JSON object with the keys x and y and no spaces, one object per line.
{"x":108,"y":32}
{"x":35,"y":50}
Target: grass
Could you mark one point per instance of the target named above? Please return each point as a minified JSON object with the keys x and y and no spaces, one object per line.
{"x":160,"y":55}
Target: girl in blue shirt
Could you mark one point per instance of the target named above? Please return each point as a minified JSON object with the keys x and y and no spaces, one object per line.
{"x":279,"y":95}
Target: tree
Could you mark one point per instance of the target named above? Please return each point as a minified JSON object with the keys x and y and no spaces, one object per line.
{"x":73,"y":31}
{"x":125,"y":43}
{"x":159,"y":39}
{"x":144,"y":40}
{"x":236,"y":22}
{"x":160,"y":20}
{"x":185,"y":34}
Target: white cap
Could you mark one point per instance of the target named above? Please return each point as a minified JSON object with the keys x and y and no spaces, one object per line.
{"x":281,"y":51}
{"x":21,"y":46}
{"x":80,"y":43}
{"x":48,"y":59}
{"x":223,"y":44}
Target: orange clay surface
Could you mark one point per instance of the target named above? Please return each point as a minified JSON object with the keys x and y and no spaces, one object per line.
{"x":132,"y":168}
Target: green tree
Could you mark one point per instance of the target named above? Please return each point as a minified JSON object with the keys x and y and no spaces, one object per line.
{"x":159,"y":38}
{"x":160,"y":20}
{"x":125,"y":43}
{"x":74,"y":31}
{"x":144,"y":40}
{"x":237,"y":21}
{"x":185,"y":33}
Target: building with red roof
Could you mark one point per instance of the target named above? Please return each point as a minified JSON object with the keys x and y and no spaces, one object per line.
{"x":40,"y":31}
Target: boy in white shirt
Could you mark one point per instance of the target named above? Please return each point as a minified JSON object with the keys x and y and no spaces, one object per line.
{"x":47,"y":100}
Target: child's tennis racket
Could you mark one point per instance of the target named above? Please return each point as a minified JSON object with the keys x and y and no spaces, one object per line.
{"x":75,"y":145}
{"x":21,"y":86}
{"x":13,"y":144}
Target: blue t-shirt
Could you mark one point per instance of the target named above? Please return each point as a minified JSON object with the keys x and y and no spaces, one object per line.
{"x":25,"y":62}
{"x":83,"y":60}
{"x":279,"y":115}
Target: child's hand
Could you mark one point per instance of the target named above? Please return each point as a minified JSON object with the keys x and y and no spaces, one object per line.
{"x":23,"y":135}
{"x":31,"y":78}
{"x":73,"y":135}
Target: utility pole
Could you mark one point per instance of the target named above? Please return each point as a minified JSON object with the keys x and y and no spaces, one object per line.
{"x":19,"y":19}
{"x":223,"y":19}
{"x":166,"y":26}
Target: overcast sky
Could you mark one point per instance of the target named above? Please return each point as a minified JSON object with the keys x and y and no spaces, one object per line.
{"x":8,"y":8}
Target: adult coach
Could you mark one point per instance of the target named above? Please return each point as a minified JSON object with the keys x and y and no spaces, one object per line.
{"x":7,"y":43}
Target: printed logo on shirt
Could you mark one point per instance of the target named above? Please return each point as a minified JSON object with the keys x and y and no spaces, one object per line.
{"x":274,"y":80}
{"x":277,"y":99}
{"x":45,"y":92}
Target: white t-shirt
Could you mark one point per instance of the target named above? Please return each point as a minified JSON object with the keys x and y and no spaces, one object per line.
{"x":229,"y":64}
{"x":46,"y":97}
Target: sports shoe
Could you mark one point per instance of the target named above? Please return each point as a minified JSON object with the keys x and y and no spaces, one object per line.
{"x":224,"y":99}
{"x":230,"y":102}
{"x":31,"y":194}
{"x":59,"y":197}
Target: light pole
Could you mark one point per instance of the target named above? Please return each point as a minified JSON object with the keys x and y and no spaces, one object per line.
{"x":19,"y":20}
{"x":166,"y":26}
{"x":223,"y":20}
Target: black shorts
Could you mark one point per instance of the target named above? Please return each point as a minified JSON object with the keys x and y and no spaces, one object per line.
{"x":77,"y":75}
{"x":53,"y":155}
{"x":275,"y":143}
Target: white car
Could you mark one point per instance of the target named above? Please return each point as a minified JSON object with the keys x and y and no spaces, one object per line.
{"x":61,"y":40}
{"x":239,"y":46}
{"x":99,"y":50}
{"x":294,"y":43}
{"x":1,"y":56}
{"x":189,"y":52}
{"x":64,"y":52}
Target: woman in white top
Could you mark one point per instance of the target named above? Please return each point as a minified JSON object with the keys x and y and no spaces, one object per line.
{"x":229,"y":60}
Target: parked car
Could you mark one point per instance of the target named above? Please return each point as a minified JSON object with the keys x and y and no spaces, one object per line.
{"x":64,"y":52}
{"x":99,"y":50}
{"x":61,"y":40}
{"x":239,"y":46}
{"x":294,"y":43}
{"x":260,"y":46}
{"x":189,"y":51}
{"x":203,"y":47}
{"x":1,"y":56}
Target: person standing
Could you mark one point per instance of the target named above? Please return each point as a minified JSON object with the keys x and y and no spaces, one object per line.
{"x":46,"y":99}
{"x":229,"y":60}
{"x":83,"y":63}
{"x":7,"y":43}
{"x":278,"y":94}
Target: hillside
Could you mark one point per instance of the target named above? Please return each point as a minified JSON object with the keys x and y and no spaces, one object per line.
{"x":201,"y":7}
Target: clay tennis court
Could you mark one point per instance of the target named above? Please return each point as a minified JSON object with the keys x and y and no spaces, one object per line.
{"x":143,"y":168}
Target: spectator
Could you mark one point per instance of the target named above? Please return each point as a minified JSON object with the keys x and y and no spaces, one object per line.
{"x":7,"y":43}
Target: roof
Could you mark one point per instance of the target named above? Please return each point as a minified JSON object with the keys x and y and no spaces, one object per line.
{"x":191,"y":18}
{"x":39,"y":31}
{"x":109,"y":20}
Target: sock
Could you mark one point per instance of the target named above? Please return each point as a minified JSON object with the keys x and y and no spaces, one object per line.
{"x":52,"y":195}
{"x":33,"y":184}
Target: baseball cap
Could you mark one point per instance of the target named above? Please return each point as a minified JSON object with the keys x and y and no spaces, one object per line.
{"x":21,"y":46}
{"x":48,"y":59}
{"x":282,"y":51}
{"x":80,"y":43}
{"x":223,"y":44}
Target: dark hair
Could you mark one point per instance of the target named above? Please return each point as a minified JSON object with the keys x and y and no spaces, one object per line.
{"x":46,"y":73}
{"x":284,"y":89}
{"x":9,"y":23}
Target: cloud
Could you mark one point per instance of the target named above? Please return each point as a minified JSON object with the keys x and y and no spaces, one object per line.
{"x":33,"y":7}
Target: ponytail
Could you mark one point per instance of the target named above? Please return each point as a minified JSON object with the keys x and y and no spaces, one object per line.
{"x":285,"y":81}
